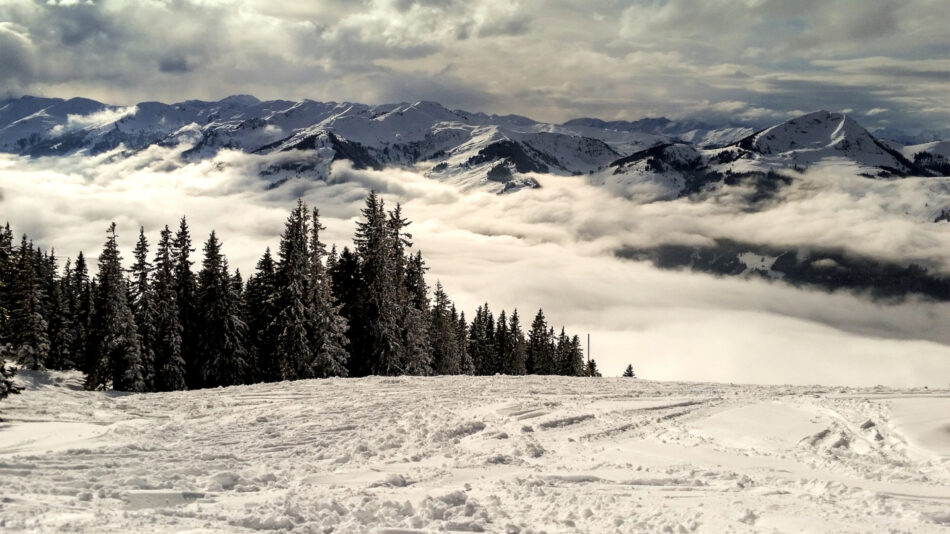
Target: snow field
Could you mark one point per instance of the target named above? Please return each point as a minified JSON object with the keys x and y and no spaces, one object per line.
{"x":474,"y":454}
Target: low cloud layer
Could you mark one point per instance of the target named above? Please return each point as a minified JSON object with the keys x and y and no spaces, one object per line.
{"x":753,"y":61}
{"x":554,"y":247}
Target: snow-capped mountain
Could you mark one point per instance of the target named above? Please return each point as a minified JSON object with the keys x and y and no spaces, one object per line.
{"x":468,"y":148}
{"x":658,"y":156}
{"x":676,"y":168}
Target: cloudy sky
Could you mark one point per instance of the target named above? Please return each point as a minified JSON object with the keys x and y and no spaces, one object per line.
{"x":743,"y":60}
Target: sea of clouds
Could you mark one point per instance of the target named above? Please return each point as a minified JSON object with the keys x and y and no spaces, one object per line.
{"x":555,"y":247}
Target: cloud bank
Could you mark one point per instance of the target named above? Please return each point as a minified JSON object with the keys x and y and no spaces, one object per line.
{"x":754,"y":61}
{"x":554,"y":247}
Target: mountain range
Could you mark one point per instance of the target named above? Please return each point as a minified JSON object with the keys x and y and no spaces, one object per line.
{"x":499,"y":152}
{"x":651,"y":159}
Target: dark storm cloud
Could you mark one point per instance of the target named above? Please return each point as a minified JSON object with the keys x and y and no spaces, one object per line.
{"x":740,"y":60}
{"x":175,"y":64}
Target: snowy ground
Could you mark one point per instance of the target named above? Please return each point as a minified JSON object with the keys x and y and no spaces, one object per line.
{"x":500,"y":454}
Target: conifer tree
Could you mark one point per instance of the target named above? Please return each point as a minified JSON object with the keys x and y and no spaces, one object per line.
{"x":480,"y":348}
{"x":466,"y":365}
{"x":628,"y":372}
{"x":186,"y":288}
{"x":591,"y":369}
{"x":113,"y":331}
{"x":575,"y":358}
{"x":347,"y":292}
{"x":551,"y":364}
{"x":415,"y":317}
{"x":538,"y":352}
{"x":7,"y":276}
{"x":562,"y":354}
{"x":170,"y":371}
{"x":29,"y":326}
{"x":503,"y":344}
{"x":80,"y":312}
{"x":7,"y":387}
{"x":515,"y":364}
{"x":442,"y":334}
{"x":221,"y":330}
{"x":260,"y":300}
{"x":143,"y":308}
{"x":293,"y":349}
{"x":377,"y":341}
{"x":327,"y":326}
{"x":60,"y":330}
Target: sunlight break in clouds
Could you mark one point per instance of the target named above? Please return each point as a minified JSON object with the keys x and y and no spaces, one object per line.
{"x":552,"y":247}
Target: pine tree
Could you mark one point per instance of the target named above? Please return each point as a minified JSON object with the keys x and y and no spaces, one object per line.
{"x":144,"y":309}
{"x":442,"y":334}
{"x":260,"y":299}
{"x":186,"y":288}
{"x":29,"y":326}
{"x":515,"y":364}
{"x":347,"y":286}
{"x":503,"y":343}
{"x":562,"y":354}
{"x":293,"y":350}
{"x":538,"y":352}
{"x":575,"y":358}
{"x":7,"y":387}
{"x":466,"y":365}
{"x":221,"y":331}
{"x":7,"y":275}
{"x":377,"y":342}
{"x":415,"y":318}
{"x":591,"y":369}
{"x":327,"y":326}
{"x":170,"y":371}
{"x":480,"y":348}
{"x":81,"y":303}
{"x":628,"y":372}
{"x":113,"y":331}
{"x":60,"y":329}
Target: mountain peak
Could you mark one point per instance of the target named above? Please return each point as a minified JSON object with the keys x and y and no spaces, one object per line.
{"x":241,"y":100}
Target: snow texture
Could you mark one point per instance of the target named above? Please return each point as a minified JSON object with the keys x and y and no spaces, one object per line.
{"x":474,"y":454}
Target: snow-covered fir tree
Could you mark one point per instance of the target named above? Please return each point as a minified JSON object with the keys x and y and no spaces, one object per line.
{"x":220,"y":339}
{"x":169,"y":365}
{"x":260,"y":301}
{"x":186,"y":289}
{"x":113,"y":332}
{"x":442,"y":334}
{"x":376,"y":338}
{"x":28,"y":325}
{"x":143,"y":308}
{"x":327,"y":326}
{"x":293,"y":350}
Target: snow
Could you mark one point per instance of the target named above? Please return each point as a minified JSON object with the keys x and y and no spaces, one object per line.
{"x":925,"y":423}
{"x":474,"y":454}
{"x":937,"y":148}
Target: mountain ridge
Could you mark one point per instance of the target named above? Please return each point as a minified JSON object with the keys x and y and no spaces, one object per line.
{"x":473,"y":149}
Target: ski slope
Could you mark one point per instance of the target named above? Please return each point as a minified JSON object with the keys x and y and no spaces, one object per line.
{"x":474,"y":454}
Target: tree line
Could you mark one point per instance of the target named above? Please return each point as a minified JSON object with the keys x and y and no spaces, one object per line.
{"x":309,"y":312}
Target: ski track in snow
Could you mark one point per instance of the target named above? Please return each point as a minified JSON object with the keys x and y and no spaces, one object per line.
{"x":473,"y":454}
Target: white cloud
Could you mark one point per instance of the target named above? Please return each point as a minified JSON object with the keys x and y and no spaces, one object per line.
{"x":99,"y":118}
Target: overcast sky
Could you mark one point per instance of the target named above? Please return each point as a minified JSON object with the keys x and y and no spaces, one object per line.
{"x":743,"y":60}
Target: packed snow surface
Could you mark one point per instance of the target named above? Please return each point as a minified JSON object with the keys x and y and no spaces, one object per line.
{"x":474,"y":454}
